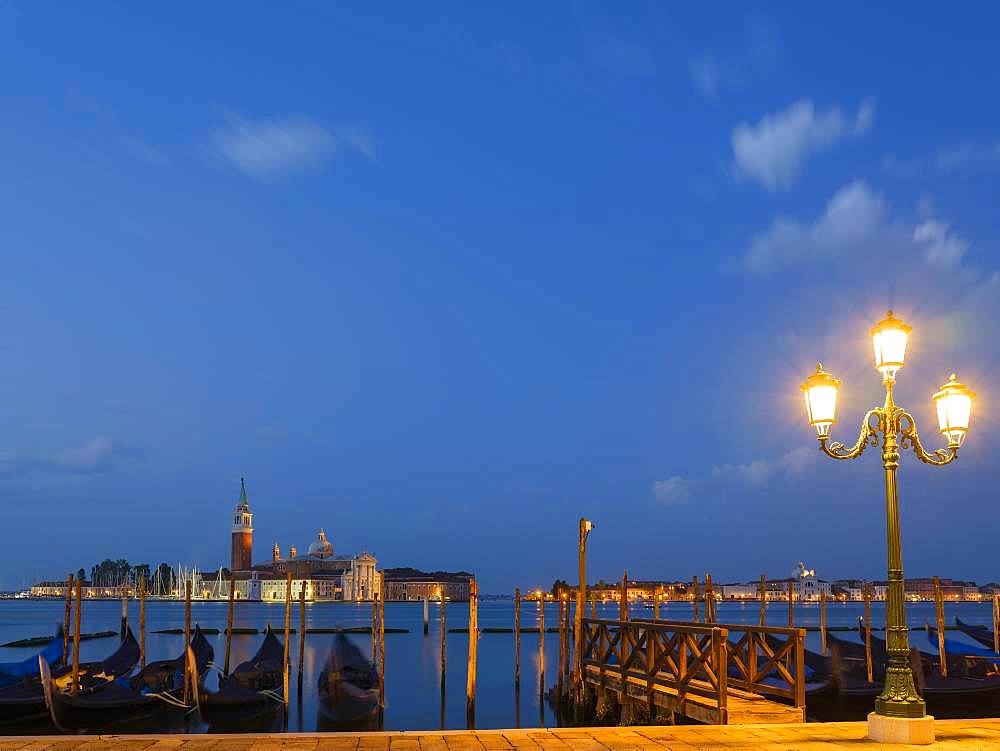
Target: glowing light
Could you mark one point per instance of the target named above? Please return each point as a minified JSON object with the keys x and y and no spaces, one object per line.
{"x":820,"y":391}
{"x":889,"y":341}
{"x":954,"y":410}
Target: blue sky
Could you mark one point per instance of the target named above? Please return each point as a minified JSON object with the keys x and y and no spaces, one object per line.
{"x":442,"y":278}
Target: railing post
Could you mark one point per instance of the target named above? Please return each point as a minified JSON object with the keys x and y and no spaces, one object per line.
{"x":720,"y":651}
{"x":753,"y":638}
{"x":651,"y":640}
{"x":800,"y":668}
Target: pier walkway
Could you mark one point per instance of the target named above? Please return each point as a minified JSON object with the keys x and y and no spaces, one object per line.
{"x":952,"y":735}
{"x":713,"y":673}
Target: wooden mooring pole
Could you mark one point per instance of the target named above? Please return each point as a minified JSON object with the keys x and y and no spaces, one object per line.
{"x":187,"y":641}
{"x":444,"y":633}
{"x":763,"y":600}
{"x":66,"y":619}
{"x":288,"y":634}
{"x":868,"y":631}
{"x":562,"y":648}
{"x":76,"y":638}
{"x":381,"y":644}
{"x":541,"y":646}
{"x":822,"y":622}
{"x":623,"y":598}
{"x":996,"y":623}
{"x":517,"y":638}
{"x":124,"y":622}
{"x":142,"y":622}
{"x":426,"y":614}
{"x":694,"y":599}
{"x":470,"y":683}
{"x":791,"y":602}
{"x":709,"y":600}
{"x":302,"y":631}
{"x":229,"y":621}
{"x":375,"y":631}
{"x":939,"y":617}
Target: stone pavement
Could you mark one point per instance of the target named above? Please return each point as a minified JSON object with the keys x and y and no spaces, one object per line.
{"x":968,"y":735}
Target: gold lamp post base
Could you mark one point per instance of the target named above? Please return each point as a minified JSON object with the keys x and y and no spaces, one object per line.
{"x":917,"y":731}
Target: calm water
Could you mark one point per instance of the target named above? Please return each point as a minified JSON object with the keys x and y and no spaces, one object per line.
{"x":413,"y":698}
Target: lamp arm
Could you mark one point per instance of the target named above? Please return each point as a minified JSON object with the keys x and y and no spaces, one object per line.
{"x":910,"y":439}
{"x":868,"y":437}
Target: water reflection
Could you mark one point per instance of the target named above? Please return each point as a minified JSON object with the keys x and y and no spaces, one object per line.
{"x":420,"y":693}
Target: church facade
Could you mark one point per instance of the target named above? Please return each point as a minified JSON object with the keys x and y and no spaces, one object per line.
{"x":323,"y":575}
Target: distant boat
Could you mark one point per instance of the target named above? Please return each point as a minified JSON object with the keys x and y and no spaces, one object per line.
{"x":24,"y":702}
{"x":348,"y":686}
{"x":14,"y":672}
{"x":154,"y":697}
{"x":253,"y":690}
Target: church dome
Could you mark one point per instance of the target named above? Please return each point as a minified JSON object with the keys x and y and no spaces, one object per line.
{"x":322,"y":547}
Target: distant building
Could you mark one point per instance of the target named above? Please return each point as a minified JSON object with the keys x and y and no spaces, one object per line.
{"x":242,"y":547}
{"x":849,"y":589}
{"x":737,"y":591}
{"x":951,"y":589}
{"x":413,"y":584}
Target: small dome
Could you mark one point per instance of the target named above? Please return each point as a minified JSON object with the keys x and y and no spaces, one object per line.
{"x":322,"y":548}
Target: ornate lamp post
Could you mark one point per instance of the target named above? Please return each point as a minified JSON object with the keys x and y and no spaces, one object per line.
{"x":900,"y":714}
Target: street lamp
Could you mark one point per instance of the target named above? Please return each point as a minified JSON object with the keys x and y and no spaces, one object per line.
{"x":586,"y":526}
{"x":900,"y":714}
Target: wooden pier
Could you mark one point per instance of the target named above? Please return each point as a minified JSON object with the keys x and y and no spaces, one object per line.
{"x":712,"y":673}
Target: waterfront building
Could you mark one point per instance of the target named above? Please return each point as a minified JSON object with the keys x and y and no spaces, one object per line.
{"x":849,"y":589}
{"x":951,"y":589}
{"x":737,"y":591}
{"x":413,"y":584}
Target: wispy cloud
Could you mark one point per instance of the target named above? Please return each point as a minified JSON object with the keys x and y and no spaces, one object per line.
{"x":706,"y":74}
{"x":955,"y":159}
{"x":622,"y":57}
{"x":98,"y":454}
{"x":772,"y":151}
{"x":672,"y":490}
{"x":266,"y":149}
{"x":854,"y":225}
{"x":145,"y":151}
{"x":757,"y":473}
{"x":712,"y":73}
{"x":760,"y":471}
{"x":853,"y":219}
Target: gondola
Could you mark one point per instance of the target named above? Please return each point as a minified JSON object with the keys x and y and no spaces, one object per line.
{"x":976,"y":632}
{"x":952,"y":647}
{"x":957,"y":695}
{"x":24,"y":703}
{"x":12,"y":673}
{"x":149,"y":697}
{"x":348,"y":687}
{"x":254,"y":690}
{"x":159,"y":675}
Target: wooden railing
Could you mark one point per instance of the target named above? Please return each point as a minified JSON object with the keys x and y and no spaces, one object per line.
{"x":705,"y":660}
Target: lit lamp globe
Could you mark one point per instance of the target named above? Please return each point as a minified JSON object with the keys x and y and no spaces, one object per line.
{"x":820,"y":390}
{"x":889,"y":340}
{"x":954,"y":410}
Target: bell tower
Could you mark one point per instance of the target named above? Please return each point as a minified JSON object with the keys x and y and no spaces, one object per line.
{"x":242,"y":558}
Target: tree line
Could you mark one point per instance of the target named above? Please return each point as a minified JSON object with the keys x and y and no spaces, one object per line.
{"x":120,"y":573}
